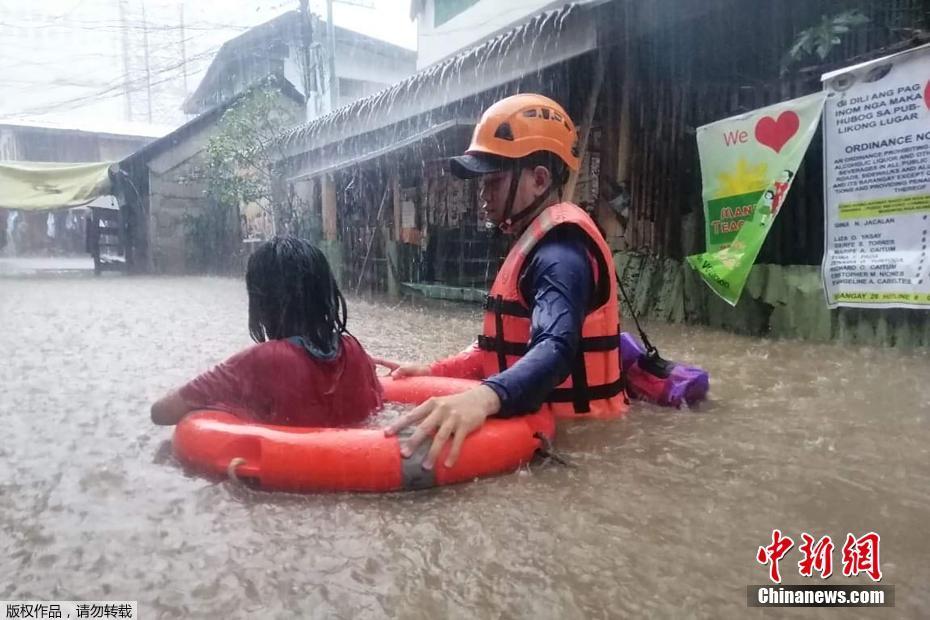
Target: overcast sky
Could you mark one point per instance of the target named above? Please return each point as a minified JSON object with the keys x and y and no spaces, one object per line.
{"x":388,"y":20}
{"x":67,"y":57}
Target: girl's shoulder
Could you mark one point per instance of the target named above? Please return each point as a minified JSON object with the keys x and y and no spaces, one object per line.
{"x":272,"y":351}
{"x":351,"y":346}
{"x":289,"y":349}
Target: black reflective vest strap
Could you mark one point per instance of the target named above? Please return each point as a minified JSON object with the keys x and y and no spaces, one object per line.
{"x":580,"y":394}
{"x":581,"y":401}
{"x":498,"y":340}
{"x":509,"y":307}
{"x":600,"y":344}
{"x":593,"y":392}
{"x":581,"y":398}
{"x":487,"y":343}
{"x":596,"y":344}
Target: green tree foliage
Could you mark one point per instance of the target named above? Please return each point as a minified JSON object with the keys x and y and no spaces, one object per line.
{"x":238,"y":170}
{"x":821,"y":38}
{"x":239,"y":167}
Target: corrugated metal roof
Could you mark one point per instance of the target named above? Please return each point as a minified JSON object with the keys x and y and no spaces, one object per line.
{"x":174,"y":137}
{"x":97,"y":126}
{"x":342,"y":160}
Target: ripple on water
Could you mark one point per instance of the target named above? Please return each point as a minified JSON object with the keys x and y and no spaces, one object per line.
{"x":661,"y":512}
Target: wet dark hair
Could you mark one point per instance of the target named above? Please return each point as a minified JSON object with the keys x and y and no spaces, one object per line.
{"x":557,"y":168}
{"x":292,"y":292}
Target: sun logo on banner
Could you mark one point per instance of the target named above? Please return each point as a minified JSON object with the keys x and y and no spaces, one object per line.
{"x":746,"y":178}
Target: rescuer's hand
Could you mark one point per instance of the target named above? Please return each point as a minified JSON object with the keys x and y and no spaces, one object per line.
{"x":445,"y":417}
{"x":378,"y":361}
{"x":409,"y":370}
{"x":398,"y":370}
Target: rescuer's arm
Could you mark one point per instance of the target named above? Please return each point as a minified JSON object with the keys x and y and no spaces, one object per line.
{"x":465,"y":364}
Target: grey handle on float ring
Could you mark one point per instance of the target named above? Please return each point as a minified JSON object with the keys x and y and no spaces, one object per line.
{"x":414,"y":477}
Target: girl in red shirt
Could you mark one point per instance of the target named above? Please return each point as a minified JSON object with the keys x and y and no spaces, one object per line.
{"x":306,"y":368}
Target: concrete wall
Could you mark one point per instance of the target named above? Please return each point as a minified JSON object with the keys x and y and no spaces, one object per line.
{"x":23,"y":143}
{"x":362,"y":63}
{"x":170,"y":202}
{"x":778,"y":302}
{"x":172,"y":197}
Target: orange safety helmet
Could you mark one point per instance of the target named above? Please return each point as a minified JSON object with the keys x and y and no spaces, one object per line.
{"x":515,"y":127}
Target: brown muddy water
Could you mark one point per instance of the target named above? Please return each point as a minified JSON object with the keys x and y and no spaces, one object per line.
{"x":660,"y":517}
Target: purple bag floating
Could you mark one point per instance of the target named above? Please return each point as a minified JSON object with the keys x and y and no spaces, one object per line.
{"x":665,"y":383}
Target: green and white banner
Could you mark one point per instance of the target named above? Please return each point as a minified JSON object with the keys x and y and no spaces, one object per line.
{"x":748,"y":163}
{"x":877,"y":183}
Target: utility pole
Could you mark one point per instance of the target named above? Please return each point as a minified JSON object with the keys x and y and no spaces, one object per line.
{"x":148,"y":72}
{"x":306,"y":40}
{"x":121,"y":4}
{"x":333,"y":82}
{"x":183,"y":48}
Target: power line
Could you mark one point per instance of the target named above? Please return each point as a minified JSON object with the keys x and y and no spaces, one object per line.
{"x":192,"y":59}
{"x":54,"y":82}
{"x":123,"y":85}
{"x":115,"y":25}
{"x":19,"y":61}
{"x":120,"y":85}
{"x":69,"y":11}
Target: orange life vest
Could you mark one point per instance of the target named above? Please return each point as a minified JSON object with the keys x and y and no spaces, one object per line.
{"x":595,"y":387}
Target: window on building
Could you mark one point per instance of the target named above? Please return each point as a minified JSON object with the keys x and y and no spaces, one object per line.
{"x":444,"y":10}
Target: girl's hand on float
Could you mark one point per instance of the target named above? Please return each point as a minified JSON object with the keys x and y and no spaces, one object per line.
{"x":455,"y":417}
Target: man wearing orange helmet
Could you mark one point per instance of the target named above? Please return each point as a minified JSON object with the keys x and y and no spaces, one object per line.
{"x":551,"y":323}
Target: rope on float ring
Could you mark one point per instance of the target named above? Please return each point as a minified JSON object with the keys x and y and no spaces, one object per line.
{"x":546,"y":450}
{"x":231,"y":469}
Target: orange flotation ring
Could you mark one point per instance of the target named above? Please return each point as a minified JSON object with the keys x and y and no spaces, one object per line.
{"x":285,"y":458}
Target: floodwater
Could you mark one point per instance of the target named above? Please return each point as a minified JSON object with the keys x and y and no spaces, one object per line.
{"x":660,"y":516}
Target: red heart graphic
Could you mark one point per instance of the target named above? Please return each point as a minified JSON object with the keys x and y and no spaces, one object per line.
{"x":775,"y":134}
{"x":927,"y":95}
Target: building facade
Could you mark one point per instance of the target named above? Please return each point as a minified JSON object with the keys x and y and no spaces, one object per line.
{"x":78,"y":142}
{"x":296,"y":47}
{"x":638,"y":79}
{"x":173,"y":224}
{"x":445,"y":27}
